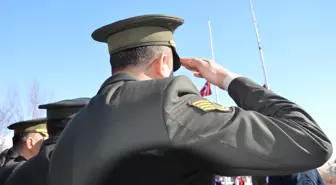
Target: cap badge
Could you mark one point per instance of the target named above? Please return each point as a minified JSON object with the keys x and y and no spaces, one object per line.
{"x":172,"y":43}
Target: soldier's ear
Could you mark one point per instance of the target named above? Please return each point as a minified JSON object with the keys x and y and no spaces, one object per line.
{"x":29,"y":142}
{"x":167,"y":66}
{"x":161,"y":66}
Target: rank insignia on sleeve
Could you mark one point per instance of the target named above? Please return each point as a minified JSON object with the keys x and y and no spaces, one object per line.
{"x":208,"y":106}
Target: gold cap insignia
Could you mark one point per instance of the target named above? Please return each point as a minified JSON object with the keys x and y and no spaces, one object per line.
{"x":172,"y":43}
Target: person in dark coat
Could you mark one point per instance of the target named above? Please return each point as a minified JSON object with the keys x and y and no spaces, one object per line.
{"x":27,"y":140}
{"x":35,"y":170}
{"x":311,"y":177}
{"x":146,"y":125}
{"x":3,"y":157}
{"x":259,"y":180}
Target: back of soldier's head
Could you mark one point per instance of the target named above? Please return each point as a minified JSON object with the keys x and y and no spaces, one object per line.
{"x":142,"y":45}
{"x":61,"y":112}
{"x":147,"y":59}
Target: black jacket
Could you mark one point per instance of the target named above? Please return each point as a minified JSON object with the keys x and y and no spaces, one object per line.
{"x":3,"y":157}
{"x":311,"y":177}
{"x":12,"y":162}
{"x":35,"y":170}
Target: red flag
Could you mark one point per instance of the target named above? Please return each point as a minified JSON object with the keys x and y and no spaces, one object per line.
{"x":265,"y":86}
{"x":206,"y":90}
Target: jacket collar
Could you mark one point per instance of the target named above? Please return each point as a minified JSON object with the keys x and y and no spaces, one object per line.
{"x":48,"y":147}
{"x":49,"y":141}
{"x":12,"y":154}
{"x":117,"y":78}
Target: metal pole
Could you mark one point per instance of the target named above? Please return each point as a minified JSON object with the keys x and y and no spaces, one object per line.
{"x":213,"y":57}
{"x":259,"y":45}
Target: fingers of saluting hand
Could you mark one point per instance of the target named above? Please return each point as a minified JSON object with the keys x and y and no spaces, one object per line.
{"x":207,"y":69}
{"x":194,"y":64}
{"x":198,"y":75}
{"x":187,"y":63}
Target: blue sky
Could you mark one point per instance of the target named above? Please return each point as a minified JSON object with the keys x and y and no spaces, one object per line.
{"x":50,"y":42}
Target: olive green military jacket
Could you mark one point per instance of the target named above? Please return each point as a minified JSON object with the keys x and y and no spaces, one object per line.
{"x":266,"y":134}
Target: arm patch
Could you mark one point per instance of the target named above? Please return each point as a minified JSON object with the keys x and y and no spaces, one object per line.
{"x":208,"y":106}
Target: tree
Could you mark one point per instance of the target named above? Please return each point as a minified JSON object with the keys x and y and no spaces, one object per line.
{"x":328,"y":173}
{"x":12,"y":109}
{"x":35,"y":98}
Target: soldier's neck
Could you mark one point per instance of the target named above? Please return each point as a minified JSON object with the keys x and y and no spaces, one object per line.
{"x":138,"y":74}
{"x":26,"y":154}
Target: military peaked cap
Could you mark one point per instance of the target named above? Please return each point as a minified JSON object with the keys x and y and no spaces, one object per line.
{"x":145,"y":30}
{"x":65,"y":108}
{"x":29,"y":126}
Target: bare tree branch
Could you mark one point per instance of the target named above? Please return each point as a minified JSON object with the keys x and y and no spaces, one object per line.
{"x":34,"y":100}
{"x":37,"y":97}
{"x":328,"y":173}
{"x":12,"y":109}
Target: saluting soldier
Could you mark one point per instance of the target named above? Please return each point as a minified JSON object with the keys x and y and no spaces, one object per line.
{"x":35,"y":171}
{"x":146,"y":126}
{"x":27,"y":140}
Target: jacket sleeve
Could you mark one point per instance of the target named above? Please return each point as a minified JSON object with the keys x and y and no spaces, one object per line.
{"x":265,"y":135}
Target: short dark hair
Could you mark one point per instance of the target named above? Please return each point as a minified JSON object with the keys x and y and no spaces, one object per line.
{"x":19,"y":141}
{"x":136,"y":57}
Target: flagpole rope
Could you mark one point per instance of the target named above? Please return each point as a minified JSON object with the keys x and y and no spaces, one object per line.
{"x":213,"y":57}
{"x":259,"y":46}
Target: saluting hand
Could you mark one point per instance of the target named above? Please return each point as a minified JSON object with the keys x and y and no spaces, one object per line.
{"x":207,"y":69}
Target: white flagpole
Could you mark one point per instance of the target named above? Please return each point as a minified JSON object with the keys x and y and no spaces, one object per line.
{"x":259,"y":45}
{"x":213,"y":57}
